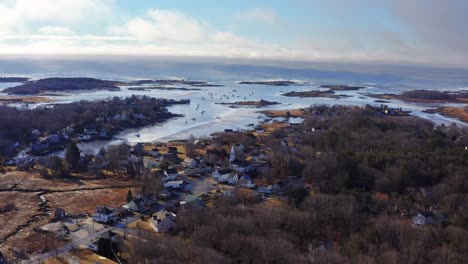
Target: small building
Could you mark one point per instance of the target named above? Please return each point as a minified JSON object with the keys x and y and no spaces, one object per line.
{"x":103,"y":215}
{"x":170,"y":157}
{"x":170,"y":174}
{"x":222,"y":175}
{"x":192,"y":201}
{"x":163,"y":221}
{"x":136,"y":205}
{"x":59,"y":213}
{"x":173,"y":150}
{"x":91,"y":131}
{"x":426,"y":218}
{"x":239,"y":165}
{"x":176,"y":185}
{"x":189,"y":162}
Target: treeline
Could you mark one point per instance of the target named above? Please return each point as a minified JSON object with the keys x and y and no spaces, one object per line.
{"x":113,"y":115}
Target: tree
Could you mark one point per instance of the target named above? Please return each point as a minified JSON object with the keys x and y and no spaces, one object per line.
{"x":129,"y":196}
{"x":72,"y":154}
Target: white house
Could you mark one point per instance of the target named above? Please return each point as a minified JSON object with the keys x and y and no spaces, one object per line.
{"x":226,"y":176}
{"x":239,"y":165}
{"x":103,"y":215}
{"x":189,"y":162}
{"x":173,"y":184}
{"x":170,"y":175}
{"x":222,"y":175}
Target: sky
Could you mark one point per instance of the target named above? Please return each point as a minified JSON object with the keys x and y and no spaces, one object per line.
{"x":396,"y":31}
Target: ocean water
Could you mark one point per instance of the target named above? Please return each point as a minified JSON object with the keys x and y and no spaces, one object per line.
{"x":378,"y":78}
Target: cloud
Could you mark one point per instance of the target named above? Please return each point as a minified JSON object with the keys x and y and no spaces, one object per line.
{"x":22,"y":16}
{"x":51,"y":30}
{"x":424,"y":33}
{"x":162,"y":25}
{"x":265,"y":16}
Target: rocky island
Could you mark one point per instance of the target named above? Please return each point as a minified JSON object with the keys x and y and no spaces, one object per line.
{"x":62,"y":84}
{"x":342,"y":87}
{"x":426,"y":96}
{"x":271,"y":83}
{"x":315,"y":93}
{"x":261,"y":103}
{"x":176,"y":82}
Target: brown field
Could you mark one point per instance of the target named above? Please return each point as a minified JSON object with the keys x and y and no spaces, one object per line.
{"x":27,"y":205}
{"x":27,"y":99}
{"x":86,"y":201}
{"x":455,"y":112}
{"x":31,"y":180}
{"x":284,"y":113}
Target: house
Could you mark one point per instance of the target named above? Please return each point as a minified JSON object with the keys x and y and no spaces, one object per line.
{"x":192,"y":201}
{"x":121,"y":117}
{"x":271,"y":189}
{"x":150,"y":163}
{"x":103,"y":215}
{"x":265,"y":190}
{"x":137,"y":205}
{"x":170,"y":157}
{"x":172,"y":150}
{"x":163,"y":221}
{"x":246,"y":182}
{"x":40,"y":147}
{"x":59,"y":214}
{"x":239,"y":165}
{"x":91,"y":131}
{"x":222,"y":175}
{"x":170,"y":174}
{"x":165,"y":194}
{"x":188,"y":188}
{"x":103,"y":134}
{"x":189,"y":162}
{"x":154,"y":152}
{"x":427,"y":218}
{"x":177,"y":185}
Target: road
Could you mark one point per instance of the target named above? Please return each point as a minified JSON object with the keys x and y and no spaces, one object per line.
{"x":73,"y":244}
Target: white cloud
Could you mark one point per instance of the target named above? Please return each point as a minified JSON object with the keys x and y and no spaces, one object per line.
{"x":163,"y":25}
{"x":51,"y":30}
{"x":22,"y":16}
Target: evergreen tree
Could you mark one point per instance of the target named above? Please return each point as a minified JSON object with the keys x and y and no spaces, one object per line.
{"x":72,"y":154}
{"x":129,"y":196}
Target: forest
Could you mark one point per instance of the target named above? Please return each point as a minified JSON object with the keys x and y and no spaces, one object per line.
{"x":366,"y":177}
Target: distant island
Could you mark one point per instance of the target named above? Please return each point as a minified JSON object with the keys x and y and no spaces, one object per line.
{"x":342,"y":87}
{"x":13,"y":79}
{"x":261,"y":103}
{"x":426,"y":96}
{"x":145,"y":88}
{"x":176,"y":82}
{"x":315,"y":93}
{"x":272,"y":83}
{"x":62,"y":84}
